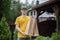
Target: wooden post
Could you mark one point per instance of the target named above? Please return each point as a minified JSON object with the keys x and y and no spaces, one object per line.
{"x":56,"y":11}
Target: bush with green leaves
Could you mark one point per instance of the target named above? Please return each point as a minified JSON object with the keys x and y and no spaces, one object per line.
{"x":55,"y":36}
{"x":5,"y":33}
{"x":15,"y":34}
{"x":42,"y":38}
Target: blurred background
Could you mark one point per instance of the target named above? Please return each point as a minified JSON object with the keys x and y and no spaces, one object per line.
{"x":10,"y":9}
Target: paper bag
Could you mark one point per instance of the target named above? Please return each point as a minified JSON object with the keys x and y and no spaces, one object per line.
{"x":36,"y":33}
{"x":31,"y":28}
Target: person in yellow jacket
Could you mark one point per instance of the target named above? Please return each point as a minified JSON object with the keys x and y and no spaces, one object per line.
{"x":21,"y":23}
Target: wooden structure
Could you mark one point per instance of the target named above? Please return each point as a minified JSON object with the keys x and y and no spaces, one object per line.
{"x":48,"y":26}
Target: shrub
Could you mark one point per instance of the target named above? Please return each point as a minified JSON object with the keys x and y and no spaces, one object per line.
{"x":4,"y":30}
{"x":15,"y":34}
{"x":55,"y":36}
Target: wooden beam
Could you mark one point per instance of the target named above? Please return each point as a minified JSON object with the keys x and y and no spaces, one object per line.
{"x":56,"y":12}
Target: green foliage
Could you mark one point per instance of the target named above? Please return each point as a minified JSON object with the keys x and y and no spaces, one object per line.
{"x":55,"y":36}
{"x":15,"y":34}
{"x":58,"y":35}
{"x":11,"y":14}
{"x":15,"y":11}
{"x":4,"y":7}
{"x":4,"y":30}
{"x":29,"y":6}
{"x":42,"y":38}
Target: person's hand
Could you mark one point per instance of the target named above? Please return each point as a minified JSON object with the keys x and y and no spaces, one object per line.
{"x":24,"y":34}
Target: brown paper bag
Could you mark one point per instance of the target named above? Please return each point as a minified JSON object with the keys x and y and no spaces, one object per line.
{"x":31,"y":28}
{"x":36,"y":33}
{"x":27,"y":31}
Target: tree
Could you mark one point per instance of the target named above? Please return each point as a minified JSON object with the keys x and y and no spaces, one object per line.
{"x":15,"y":11}
{"x":4,"y":7}
{"x":4,"y":30}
